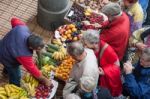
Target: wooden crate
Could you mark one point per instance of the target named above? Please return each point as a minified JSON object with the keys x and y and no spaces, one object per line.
{"x":70,"y":12}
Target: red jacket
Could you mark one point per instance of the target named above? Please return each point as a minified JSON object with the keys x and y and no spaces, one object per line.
{"x":116,"y":34}
{"x":112,"y":75}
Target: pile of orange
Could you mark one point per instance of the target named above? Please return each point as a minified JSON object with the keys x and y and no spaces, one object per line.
{"x":64,"y":69}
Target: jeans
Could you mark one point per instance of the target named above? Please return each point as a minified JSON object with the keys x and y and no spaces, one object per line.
{"x":14,"y":74}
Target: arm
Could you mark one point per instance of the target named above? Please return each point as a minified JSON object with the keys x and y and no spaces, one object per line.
{"x":135,"y":88}
{"x":16,"y":22}
{"x":70,"y":84}
{"x":29,"y":64}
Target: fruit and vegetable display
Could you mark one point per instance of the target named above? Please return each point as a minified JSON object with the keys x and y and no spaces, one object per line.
{"x":93,"y":4}
{"x":56,"y":52}
{"x":75,"y":14}
{"x":88,"y":19}
{"x":93,"y":20}
{"x":68,"y":33}
{"x":29,"y":83}
{"x":47,"y":69}
{"x":43,"y":91}
{"x":10,"y":91}
{"x":63,"y":70}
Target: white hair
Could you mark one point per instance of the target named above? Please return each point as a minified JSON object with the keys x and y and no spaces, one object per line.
{"x":91,"y":36}
{"x":112,"y":9}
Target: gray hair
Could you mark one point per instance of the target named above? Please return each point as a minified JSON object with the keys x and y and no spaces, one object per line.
{"x":112,"y":9}
{"x":87,"y":83}
{"x":91,"y":36}
{"x":75,"y":48}
{"x":72,"y":96}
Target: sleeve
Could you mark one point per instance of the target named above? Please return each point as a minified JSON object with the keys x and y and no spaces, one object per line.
{"x":71,"y":84}
{"x":29,"y":64}
{"x":16,"y":22}
{"x":135,"y":88}
{"x":69,"y":87}
{"x":105,"y":36}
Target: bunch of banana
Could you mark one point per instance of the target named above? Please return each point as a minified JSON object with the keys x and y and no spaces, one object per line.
{"x":47,"y":69}
{"x":10,"y":91}
{"x":60,"y":55}
{"x":30,"y":88}
{"x":57,"y":42}
{"x":30,"y":79}
{"x":29,"y":83}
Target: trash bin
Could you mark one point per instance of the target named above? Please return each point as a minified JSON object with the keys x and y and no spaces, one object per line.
{"x":51,"y":13}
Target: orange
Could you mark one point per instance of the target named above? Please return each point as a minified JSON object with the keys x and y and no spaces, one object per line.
{"x":75,"y":38}
{"x":72,"y":26}
{"x":69,"y":31}
{"x":66,"y":32}
{"x":74,"y":29}
{"x":68,"y":35}
{"x":65,"y":37}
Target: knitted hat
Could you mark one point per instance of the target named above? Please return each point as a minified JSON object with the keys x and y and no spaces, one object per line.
{"x":112,"y":9}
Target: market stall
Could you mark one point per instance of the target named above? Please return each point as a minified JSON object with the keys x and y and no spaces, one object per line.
{"x":55,"y":63}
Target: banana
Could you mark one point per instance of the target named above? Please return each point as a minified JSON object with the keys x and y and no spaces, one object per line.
{"x":2,"y":88}
{"x":16,"y":88}
{"x":7,"y":90}
{"x":3,"y":96}
{"x":23,"y":97}
{"x":11,"y":88}
{"x":3,"y":92}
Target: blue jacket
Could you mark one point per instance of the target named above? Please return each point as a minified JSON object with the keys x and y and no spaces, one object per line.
{"x":14,"y":45}
{"x":138,"y":83}
{"x":144,"y":4}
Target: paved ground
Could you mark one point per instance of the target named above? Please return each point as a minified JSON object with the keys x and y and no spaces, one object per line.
{"x":26,"y":10}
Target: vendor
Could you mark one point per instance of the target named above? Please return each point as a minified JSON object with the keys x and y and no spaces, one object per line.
{"x":16,"y":49}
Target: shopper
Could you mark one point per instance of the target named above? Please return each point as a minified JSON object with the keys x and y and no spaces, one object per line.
{"x":88,"y":90}
{"x":85,"y":66}
{"x":135,"y":13}
{"x":116,"y":32}
{"x":137,"y":78}
{"x":16,"y":48}
{"x":110,"y":76}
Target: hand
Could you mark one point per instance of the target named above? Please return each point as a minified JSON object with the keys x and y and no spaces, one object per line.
{"x":140,"y":46}
{"x":44,"y":80}
{"x":101,"y":72}
{"x":127,"y":67}
{"x":47,"y":82}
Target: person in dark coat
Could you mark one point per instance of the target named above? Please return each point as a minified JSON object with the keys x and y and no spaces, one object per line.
{"x":137,"y":79}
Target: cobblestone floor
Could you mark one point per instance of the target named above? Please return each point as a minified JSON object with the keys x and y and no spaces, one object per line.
{"x":26,"y":10}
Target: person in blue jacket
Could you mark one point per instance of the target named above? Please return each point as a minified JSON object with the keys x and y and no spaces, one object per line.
{"x":137,"y":79}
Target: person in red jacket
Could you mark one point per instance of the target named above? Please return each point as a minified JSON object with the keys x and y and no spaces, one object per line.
{"x":116,"y":31}
{"x":16,"y":49}
{"x":109,"y":67}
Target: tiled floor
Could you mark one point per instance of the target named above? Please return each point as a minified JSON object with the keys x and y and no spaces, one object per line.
{"x":26,"y":10}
